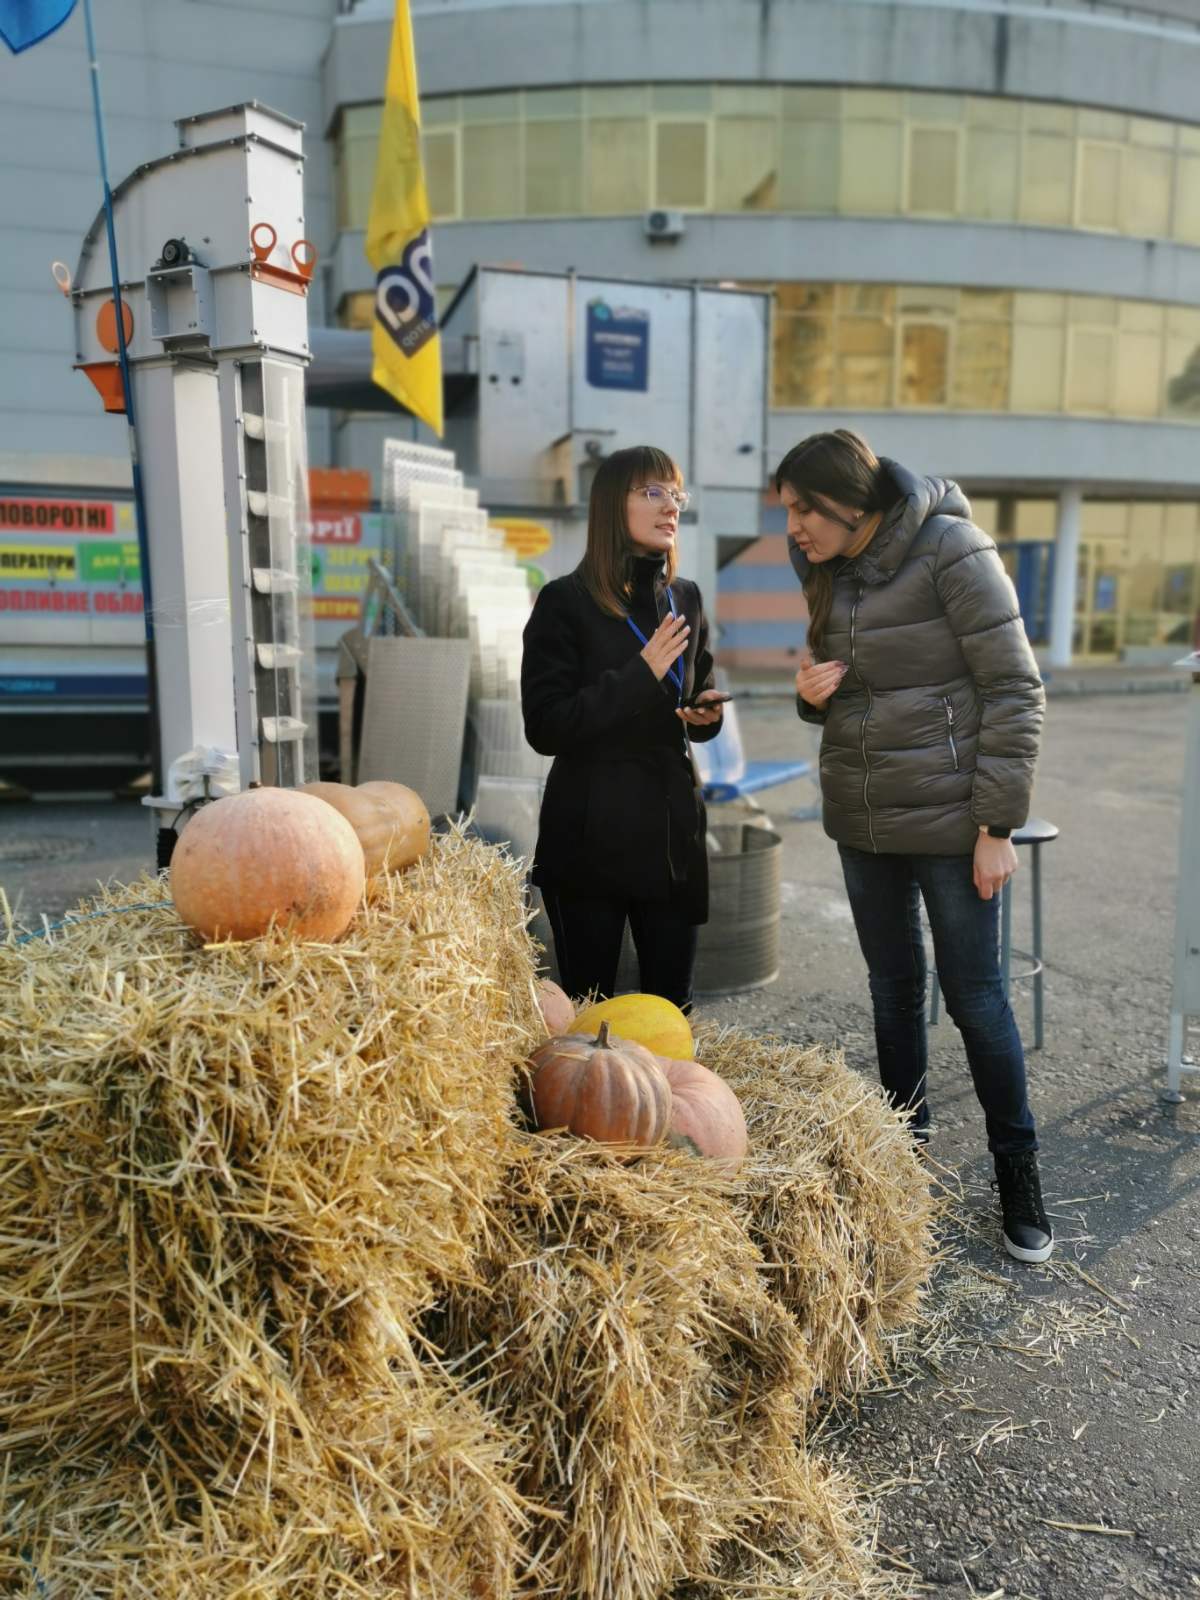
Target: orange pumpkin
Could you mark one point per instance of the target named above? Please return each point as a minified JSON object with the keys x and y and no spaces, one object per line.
{"x":606,"y":1089}
{"x":267,"y":855}
{"x":557,"y":1011}
{"x":705,"y":1110}
{"x":373,"y":819}
{"x":411,"y":839}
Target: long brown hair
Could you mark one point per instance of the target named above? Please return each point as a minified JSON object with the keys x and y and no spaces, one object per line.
{"x":838,"y":466}
{"x":607,"y":565}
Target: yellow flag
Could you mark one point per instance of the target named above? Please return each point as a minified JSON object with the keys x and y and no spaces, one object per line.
{"x":406,"y":349}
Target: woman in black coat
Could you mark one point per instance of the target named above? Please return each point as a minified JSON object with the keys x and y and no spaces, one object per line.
{"x":613,"y":654}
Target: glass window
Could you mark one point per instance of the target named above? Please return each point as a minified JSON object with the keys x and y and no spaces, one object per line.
{"x":822,"y":104}
{"x":1100,"y":309}
{"x":625,"y":101}
{"x":1099,"y":185}
{"x":1138,"y":375}
{"x":1183,"y":363}
{"x":681,"y":97}
{"x":982,"y":361}
{"x":924,"y":298}
{"x":491,"y":169}
{"x":1041,"y":116}
{"x":1146,"y":191}
{"x":870,"y":168}
{"x":439,"y":109}
{"x":681,"y":164}
{"x":1187,"y":198}
{"x":985,"y":305}
{"x":863,"y":365}
{"x":746,"y":165}
{"x":808,"y":166}
{"x":1035,"y":520}
{"x":812,"y":297}
{"x":990,"y":111}
{"x":1102,"y":125}
{"x":869,"y":105}
{"x":866,"y":299}
{"x":492,"y":107}
{"x":923,"y":107}
{"x":553,"y":168}
{"x":1153,"y":131}
{"x":924,"y":363}
{"x":1090,"y":370}
{"x":746,"y":100}
{"x":440,"y":149}
{"x":803,"y":360}
{"x":1046,"y":309}
{"x":553,"y":103}
{"x":993,"y":165}
{"x":1047,"y":178}
{"x":618,"y":165}
{"x":933,"y":170}
{"x":1037,"y":368}
{"x":1141,"y":316}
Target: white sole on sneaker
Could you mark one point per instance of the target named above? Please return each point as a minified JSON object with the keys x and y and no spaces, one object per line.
{"x":1020,"y":1254}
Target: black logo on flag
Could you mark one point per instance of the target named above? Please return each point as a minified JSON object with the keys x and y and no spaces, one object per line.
{"x":405,"y":301}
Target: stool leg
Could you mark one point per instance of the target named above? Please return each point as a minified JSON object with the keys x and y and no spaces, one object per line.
{"x":1006,"y":934}
{"x":1037,"y":947}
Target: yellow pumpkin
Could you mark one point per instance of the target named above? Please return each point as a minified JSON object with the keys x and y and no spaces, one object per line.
{"x":267,"y":855}
{"x":705,"y":1112}
{"x":646,"y":1018}
{"x":558,"y":1013}
{"x":607,"y":1089}
{"x":411,"y":839}
{"x":373,"y":819}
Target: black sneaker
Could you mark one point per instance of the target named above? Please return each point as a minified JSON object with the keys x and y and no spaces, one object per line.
{"x":1027,"y":1233}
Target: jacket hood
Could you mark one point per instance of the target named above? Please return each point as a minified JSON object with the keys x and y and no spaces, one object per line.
{"x":917,"y":499}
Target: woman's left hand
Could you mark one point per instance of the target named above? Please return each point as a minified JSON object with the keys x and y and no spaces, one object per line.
{"x":701,"y":715}
{"x":995,"y":863}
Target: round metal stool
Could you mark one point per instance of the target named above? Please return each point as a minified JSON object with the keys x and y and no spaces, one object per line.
{"x":1036,"y":832}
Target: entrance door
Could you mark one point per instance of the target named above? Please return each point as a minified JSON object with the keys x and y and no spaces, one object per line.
{"x":1099,"y":609}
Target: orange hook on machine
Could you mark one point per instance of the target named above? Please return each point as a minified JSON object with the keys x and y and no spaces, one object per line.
{"x":263,"y":239}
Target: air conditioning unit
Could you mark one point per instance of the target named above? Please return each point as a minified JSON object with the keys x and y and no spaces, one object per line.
{"x":663,"y":224}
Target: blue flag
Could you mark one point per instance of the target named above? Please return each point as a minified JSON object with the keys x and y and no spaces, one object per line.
{"x":25,"y":22}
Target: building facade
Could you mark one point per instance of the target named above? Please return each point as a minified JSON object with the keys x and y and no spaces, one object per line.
{"x":980,"y":222}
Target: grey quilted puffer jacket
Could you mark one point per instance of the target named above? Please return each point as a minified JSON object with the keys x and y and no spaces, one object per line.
{"x":935,"y":727}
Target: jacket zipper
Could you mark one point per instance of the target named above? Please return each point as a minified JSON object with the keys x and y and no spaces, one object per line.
{"x":862,"y":589}
{"x":949,"y":704}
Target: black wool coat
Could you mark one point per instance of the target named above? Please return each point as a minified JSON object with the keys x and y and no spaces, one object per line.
{"x":622,"y":816}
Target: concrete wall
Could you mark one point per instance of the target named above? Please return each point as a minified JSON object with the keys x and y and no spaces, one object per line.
{"x":159,"y":59}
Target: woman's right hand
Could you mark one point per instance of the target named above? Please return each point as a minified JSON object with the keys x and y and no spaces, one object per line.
{"x":665,"y":645}
{"x":816,"y":681}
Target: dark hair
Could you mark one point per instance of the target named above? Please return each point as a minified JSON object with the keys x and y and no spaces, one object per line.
{"x":839,"y":467}
{"x":607,"y":565}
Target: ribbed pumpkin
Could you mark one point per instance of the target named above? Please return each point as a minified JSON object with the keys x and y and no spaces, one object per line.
{"x":411,"y":839}
{"x":607,"y":1089}
{"x":705,"y":1110}
{"x":373,"y":819}
{"x":558,"y":1013}
{"x":267,"y":855}
{"x":646,"y":1018}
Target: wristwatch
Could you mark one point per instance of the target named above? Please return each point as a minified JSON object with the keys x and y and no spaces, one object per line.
{"x":995,"y":833}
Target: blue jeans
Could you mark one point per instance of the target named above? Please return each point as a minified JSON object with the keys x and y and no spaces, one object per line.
{"x":885,"y":894}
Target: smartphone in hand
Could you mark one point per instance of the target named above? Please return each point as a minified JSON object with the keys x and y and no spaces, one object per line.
{"x":713,"y":697}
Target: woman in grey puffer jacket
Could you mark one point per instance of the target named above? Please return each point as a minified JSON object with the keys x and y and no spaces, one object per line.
{"x":931,"y":703}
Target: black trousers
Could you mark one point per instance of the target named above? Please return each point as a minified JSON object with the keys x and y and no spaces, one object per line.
{"x":587,"y":941}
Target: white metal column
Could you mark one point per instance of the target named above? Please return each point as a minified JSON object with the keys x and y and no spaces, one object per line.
{"x":1066,"y":564}
{"x":1185,"y":994}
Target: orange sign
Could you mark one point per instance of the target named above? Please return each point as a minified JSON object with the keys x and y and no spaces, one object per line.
{"x":525,"y":537}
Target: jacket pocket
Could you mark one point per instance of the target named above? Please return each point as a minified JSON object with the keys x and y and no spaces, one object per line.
{"x":948,"y":707}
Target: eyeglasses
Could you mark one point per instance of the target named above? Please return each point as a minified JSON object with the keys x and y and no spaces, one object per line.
{"x":658,"y":494}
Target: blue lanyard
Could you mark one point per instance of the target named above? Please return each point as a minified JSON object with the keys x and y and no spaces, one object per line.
{"x":676,"y":672}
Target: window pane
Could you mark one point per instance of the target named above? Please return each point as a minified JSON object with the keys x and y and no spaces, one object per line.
{"x":872,"y":104}
{"x":923,"y":107}
{"x":863,"y":367}
{"x":1151,"y":130}
{"x":924,"y":362}
{"x":492,"y":171}
{"x":626,"y":101}
{"x":985,"y":305}
{"x":811,"y":297}
{"x":1099,"y":185}
{"x":982,"y":357}
{"x":618,"y":156}
{"x":1187,"y":198}
{"x":747,"y":164}
{"x":1037,"y":368}
{"x":681,"y":164}
{"x":990,"y":111}
{"x":866,"y":299}
{"x":1138,"y":375}
{"x":357,"y":310}
{"x":993,"y":166}
{"x":1043,"y":117}
{"x":933,"y":170}
{"x":491,"y":107}
{"x":746,"y":100}
{"x":1141,"y":316}
{"x":439,"y":109}
{"x":1090,"y":370}
{"x":553,"y":168}
{"x":681,"y":97}
{"x":921,"y":297}
{"x":441,"y":171}
{"x":803,"y":361}
{"x":1048,"y":171}
{"x":355,"y":180}
{"x":1183,"y":377}
{"x":1047,"y":309}
{"x":870,"y":175}
{"x":808,"y":174}
{"x":557,"y":103}
{"x":818,"y":103}
{"x":1102,"y":125}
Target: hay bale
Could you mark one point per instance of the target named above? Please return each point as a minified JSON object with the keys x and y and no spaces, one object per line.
{"x":833,"y":1196}
{"x":626,"y":1328}
{"x":227,"y":1173}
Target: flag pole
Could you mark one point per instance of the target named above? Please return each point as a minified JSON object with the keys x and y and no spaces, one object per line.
{"x":139,"y":501}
